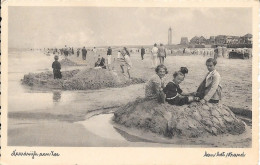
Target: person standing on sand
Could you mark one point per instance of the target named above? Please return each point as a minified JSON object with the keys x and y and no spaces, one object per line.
{"x":161,"y":53}
{"x":118,"y":54}
{"x":154,"y":87}
{"x":216,"y":53}
{"x":142,"y":53}
{"x":61,"y":51}
{"x":95,"y":53}
{"x":154,"y":55}
{"x":66,"y":51}
{"x":109,"y":57}
{"x":56,"y":68}
{"x":210,"y":88}
{"x":126,"y":61}
{"x":78,"y":52}
{"x":72,"y":51}
{"x":84,"y":53}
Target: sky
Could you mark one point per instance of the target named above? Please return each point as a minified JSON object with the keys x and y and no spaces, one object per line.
{"x":38,"y":27}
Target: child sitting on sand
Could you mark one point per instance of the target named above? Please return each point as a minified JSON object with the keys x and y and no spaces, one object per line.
{"x":210,"y":88}
{"x":101,"y":62}
{"x":174,"y":94}
{"x":56,"y":68}
{"x":154,"y":87}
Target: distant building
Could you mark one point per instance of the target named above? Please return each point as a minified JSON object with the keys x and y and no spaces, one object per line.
{"x":247,"y":39}
{"x":194,"y":40}
{"x":220,"y":39}
{"x":212,"y":40}
{"x":198,"y":40}
{"x":202,"y":40}
{"x":233,"y":40}
{"x":184,"y":41}
{"x":170,"y":36}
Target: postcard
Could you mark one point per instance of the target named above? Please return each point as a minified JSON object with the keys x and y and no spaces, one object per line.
{"x":129,"y":82}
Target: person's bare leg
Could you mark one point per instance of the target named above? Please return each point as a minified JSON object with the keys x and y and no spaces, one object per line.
{"x":128,"y":72}
{"x":122,"y":68}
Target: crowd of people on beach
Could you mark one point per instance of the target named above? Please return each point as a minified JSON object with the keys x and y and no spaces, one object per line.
{"x":156,"y":88}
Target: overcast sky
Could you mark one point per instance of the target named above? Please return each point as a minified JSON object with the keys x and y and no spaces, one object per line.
{"x":33,"y":27}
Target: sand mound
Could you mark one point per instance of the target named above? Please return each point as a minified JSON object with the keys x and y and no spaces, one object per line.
{"x":45,"y":80}
{"x":67,"y":62}
{"x":192,"y":120}
{"x":79,"y":80}
{"x":99,"y":78}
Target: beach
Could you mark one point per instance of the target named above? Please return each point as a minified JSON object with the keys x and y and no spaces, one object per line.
{"x":83,"y":117}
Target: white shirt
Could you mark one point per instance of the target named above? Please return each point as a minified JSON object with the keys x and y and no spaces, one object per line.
{"x":118,"y":54}
{"x":155,"y":50}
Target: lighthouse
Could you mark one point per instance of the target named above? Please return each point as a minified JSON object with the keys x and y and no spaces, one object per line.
{"x":170,"y":36}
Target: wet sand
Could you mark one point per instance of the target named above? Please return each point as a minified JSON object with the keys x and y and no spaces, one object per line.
{"x":99,"y":131}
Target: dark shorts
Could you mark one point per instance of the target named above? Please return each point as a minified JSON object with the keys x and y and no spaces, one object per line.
{"x":178,"y":101}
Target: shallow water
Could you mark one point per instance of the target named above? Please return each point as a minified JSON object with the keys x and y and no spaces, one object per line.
{"x":30,"y":108}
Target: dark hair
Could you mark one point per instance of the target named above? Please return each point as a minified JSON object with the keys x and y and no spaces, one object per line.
{"x":155,"y":44}
{"x":159,"y":67}
{"x":182,"y":71}
{"x":214,"y":61}
{"x":102,"y":59}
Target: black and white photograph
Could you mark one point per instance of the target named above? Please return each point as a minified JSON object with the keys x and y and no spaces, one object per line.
{"x":129,"y":76}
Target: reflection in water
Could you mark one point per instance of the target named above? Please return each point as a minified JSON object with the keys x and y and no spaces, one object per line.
{"x":56,"y":96}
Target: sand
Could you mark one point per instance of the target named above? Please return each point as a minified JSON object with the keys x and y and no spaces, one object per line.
{"x":45,"y":80}
{"x":97,"y":78}
{"x":237,"y":94}
{"x":92,"y":78}
{"x":68,"y":62}
{"x":190,"y":121}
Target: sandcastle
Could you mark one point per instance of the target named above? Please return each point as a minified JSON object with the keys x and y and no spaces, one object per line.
{"x":68,"y":62}
{"x":194,"y":120}
{"x":93,"y":78}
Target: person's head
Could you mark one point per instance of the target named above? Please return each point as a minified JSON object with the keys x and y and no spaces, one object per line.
{"x":119,"y":51}
{"x":94,"y":47}
{"x":179,"y":76}
{"x":161,"y":44}
{"x":211,"y":63}
{"x":56,"y":58}
{"x":161,"y":70}
{"x":155,"y":45}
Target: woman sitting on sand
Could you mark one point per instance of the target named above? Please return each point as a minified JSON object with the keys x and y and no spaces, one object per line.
{"x":154,"y":87}
{"x":174,"y":94}
{"x":210,"y":88}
